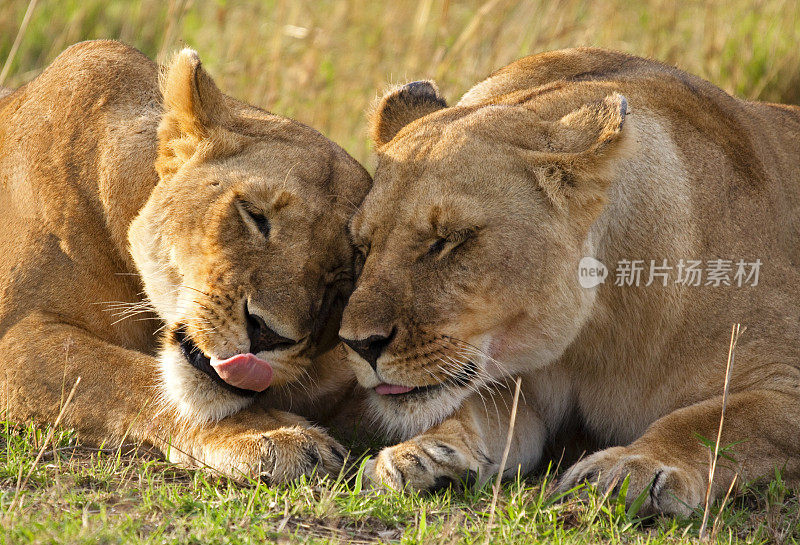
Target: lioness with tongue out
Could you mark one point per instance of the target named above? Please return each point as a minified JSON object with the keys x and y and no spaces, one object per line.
{"x":225,"y":224}
{"x":485,"y":243}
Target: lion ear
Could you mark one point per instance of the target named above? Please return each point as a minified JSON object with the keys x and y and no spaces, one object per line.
{"x":195,"y":112}
{"x":584,"y":146}
{"x":401,"y":106}
{"x":594,"y":128}
{"x":583,"y":150}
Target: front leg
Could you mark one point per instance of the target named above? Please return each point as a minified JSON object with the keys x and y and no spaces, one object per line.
{"x":118,"y":400}
{"x":466,"y":447}
{"x":671,"y":463}
{"x":272,"y":445}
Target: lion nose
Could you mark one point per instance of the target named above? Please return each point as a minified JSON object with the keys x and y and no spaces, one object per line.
{"x":370,"y":348}
{"x":262,"y":338}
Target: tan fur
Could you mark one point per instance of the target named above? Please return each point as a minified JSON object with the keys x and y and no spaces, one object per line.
{"x":538,"y":166}
{"x":124,"y":222}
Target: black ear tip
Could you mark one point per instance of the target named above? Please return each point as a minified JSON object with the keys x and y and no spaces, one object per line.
{"x":421,"y":88}
{"x":623,"y":110}
{"x":401,"y":106}
{"x":425,"y":90}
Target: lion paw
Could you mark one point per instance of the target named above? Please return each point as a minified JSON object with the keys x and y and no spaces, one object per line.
{"x":292,"y":452}
{"x":671,"y":490}
{"x":277,"y":456}
{"x":422,"y":464}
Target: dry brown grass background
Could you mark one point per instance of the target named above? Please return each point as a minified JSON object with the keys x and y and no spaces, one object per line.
{"x":324,"y":62}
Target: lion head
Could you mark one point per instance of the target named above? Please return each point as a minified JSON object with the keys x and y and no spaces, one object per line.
{"x":470,"y":240}
{"x":242,"y":245}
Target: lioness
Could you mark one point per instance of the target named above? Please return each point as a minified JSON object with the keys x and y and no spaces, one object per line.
{"x":472,"y":236}
{"x":120,"y":198}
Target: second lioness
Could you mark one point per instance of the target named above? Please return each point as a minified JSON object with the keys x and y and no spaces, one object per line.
{"x":474,"y":232}
{"x":231,"y":219}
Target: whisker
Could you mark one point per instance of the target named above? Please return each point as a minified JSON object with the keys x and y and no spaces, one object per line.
{"x":201,"y":292}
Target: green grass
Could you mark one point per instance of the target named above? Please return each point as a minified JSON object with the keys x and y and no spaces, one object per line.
{"x":81,"y":495}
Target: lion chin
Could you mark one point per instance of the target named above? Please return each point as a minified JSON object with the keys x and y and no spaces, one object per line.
{"x":183,"y":254}
{"x":484,"y":220}
{"x":402,"y":416}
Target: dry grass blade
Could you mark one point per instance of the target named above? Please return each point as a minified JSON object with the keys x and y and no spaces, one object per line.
{"x":286,"y":517}
{"x":498,"y":481}
{"x":175,"y":14}
{"x":715,"y":527}
{"x":199,"y":463}
{"x":736,"y":330}
{"x":13,"y":52}
{"x":21,"y":483}
{"x":469,"y":31}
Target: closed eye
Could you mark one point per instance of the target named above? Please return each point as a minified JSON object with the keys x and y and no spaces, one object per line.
{"x":258,"y":218}
{"x":437,"y":247}
{"x":445,"y":244}
{"x":262,"y":223}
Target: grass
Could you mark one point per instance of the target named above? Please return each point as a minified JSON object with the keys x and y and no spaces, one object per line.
{"x":81,"y":495}
{"x":324,"y":62}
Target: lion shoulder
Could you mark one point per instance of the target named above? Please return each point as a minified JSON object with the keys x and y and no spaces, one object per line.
{"x":77,"y":147}
{"x":85,"y":78}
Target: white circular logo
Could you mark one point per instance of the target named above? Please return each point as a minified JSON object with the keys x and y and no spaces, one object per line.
{"x":591,"y":272}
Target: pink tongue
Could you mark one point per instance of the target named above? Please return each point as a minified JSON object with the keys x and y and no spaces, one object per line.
{"x":244,"y":371}
{"x":391,"y":389}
